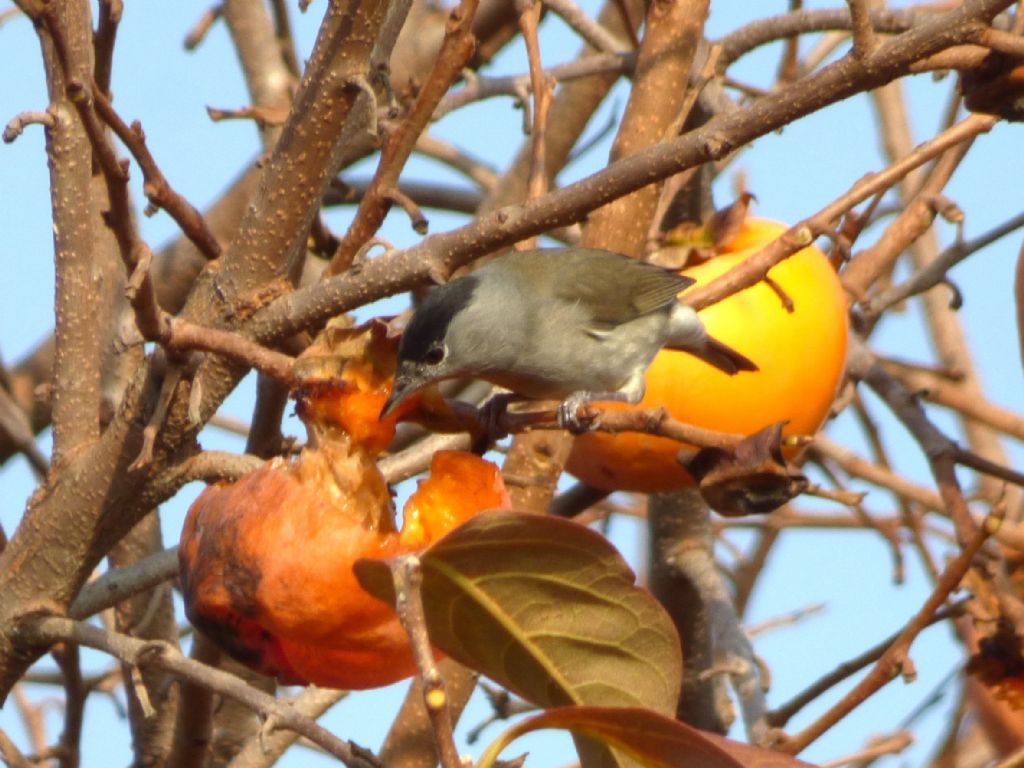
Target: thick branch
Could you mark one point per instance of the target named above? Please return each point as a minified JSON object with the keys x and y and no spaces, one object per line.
{"x":67,"y":53}
{"x":440,"y":254}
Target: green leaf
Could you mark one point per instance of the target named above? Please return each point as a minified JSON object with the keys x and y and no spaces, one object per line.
{"x":548,"y":609}
{"x":652,"y":740}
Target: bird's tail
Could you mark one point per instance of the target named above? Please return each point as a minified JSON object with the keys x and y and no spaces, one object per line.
{"x":687,"y":333}
{"x":722,"y":356}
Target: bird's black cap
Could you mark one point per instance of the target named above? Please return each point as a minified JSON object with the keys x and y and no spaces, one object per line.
{"x":426,"y":329}
{"x":429,"y":324}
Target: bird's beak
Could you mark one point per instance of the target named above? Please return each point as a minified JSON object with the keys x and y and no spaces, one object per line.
{"x":404,"y":388}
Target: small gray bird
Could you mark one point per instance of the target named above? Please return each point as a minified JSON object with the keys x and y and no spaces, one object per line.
{"x":570,"y":324}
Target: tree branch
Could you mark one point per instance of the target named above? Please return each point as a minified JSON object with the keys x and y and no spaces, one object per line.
{"x":49,"y":630}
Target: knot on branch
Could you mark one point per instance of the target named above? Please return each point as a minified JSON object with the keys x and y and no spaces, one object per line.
{"x":28,"y":631}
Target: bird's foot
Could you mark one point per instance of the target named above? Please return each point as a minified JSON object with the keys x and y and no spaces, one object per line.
{"x":568,"y":412}
{"x":568,"y":409}
{"x":489,"y":416}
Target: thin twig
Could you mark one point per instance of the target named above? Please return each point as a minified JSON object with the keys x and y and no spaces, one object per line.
{"x":416,"y":458}
{"x":939,"y":449}
{"x":935,"y":272}
{"x":456,"y":49}
{"x":529,"y":19}
{"x":52,"y":629}
{"x":68,"y":658}
{"x":184,"y":335}
{"x":31,"y":719}
{"x":597,"y":36}
{"x":863,"y":31}
{"x":103,"y":42}
{"x":860,"y":467}
{"x":474,"y":168}
{"x":785,"y":620}
{"x":896,"y":659}
{"x":800,"y":235}
{"x":789,"y":63}
{"x":18,"y":122}
{"x":891,"y":744}
{"x":408,"y":577}
{"x":10,"y":753}
{"x":479,"y":88}
{"x":121,"y":583}
{"x":653,"y":421}
{"x":198,"y":33}
{"x":15,"y":423}
{"x":158,"y":190}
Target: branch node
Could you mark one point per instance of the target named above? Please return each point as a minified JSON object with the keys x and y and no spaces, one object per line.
{"x":362,"y":84}
{"x":17,"y":124}
{"x":77,"y":92}
{"x":416,"y":218}
{"x":198,"y":33}
{"x":141,"y":692}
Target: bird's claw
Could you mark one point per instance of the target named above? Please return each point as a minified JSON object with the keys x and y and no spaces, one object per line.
{"x":489,"y":416}
{"x":569,"y":416}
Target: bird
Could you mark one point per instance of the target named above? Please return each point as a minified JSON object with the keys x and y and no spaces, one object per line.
{"x":572,"y":324}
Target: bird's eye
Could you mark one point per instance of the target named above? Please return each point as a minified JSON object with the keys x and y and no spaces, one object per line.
{"x":434,"y":355}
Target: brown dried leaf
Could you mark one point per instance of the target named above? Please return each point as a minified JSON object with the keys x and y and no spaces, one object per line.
{"x":754,"y":479}
{"x":726,"y":223}
{"x":995,"y":88}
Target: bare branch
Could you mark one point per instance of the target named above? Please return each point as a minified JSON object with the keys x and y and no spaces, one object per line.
{"x":863,"y":31}
{"x":780,"y":716}
{"x":18,"y":123}
{"x":157,"y":188}
{"x":198,"y":33}
{"x":120,"y":583}
{"x":48,"y":630}
{"x":183,"y":335}
{"x":598,"y":37}
{"x":895,"y":659}
{"x":408,"y":578}
{"x":455,"y":51}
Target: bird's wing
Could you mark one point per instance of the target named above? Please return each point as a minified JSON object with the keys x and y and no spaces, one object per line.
{"x":620,"y":289}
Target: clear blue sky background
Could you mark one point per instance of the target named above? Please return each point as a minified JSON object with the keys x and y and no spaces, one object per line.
{"x":793,"y":173}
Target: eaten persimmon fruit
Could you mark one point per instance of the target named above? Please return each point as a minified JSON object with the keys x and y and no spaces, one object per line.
{"x":266,"y":562}
{"x":801,"y":356}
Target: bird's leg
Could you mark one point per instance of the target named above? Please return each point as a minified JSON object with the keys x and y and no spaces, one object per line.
{"x":490,"y":414}
{"x":631,"y":392}
{"x":568,"y":409}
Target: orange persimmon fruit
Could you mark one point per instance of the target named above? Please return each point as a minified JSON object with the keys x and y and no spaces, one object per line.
{"x":344,"y":379}
{"x":801,"y":356}
{"x":266,"y":561}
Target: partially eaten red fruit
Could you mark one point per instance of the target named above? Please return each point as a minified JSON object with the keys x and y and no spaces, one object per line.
{"x":266,"y":561}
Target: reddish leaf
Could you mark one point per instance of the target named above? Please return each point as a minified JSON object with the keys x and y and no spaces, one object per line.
{"x":652,"y":740}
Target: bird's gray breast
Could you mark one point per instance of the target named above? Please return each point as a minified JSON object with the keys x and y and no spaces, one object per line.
{"x":562,"y":350}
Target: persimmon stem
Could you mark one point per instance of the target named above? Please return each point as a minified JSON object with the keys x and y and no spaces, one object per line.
{"x":408,"y":576}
